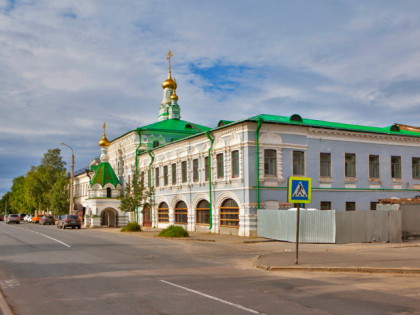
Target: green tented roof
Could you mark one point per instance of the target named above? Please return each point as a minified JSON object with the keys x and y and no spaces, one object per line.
{"x":297,"y":120}
{"x":104,"y":174}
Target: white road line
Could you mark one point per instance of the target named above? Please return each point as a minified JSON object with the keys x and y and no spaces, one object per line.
{"x":213,"y":298}
{"x":46,"y":236}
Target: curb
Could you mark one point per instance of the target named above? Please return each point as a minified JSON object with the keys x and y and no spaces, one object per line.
{"x":341,"y":269}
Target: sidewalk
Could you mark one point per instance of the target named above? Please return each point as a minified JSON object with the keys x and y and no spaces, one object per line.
{"x":280,"y":256}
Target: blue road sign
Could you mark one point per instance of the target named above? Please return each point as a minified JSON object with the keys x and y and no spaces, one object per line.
{"x":299,"y":190}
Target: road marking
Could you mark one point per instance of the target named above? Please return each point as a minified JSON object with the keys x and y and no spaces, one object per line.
{"x":54,"y":239}
{"x":212,"y":297}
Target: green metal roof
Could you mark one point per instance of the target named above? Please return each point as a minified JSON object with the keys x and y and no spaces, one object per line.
{"x":104,"y":174}
{"x":175,"y":125}
{"x":297,"y":120}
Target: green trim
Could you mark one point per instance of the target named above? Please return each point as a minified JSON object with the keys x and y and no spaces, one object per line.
{"x":150,"y":182}
{"x":257,"y":132}
{"x":137,"y":168}
{"x":322,"y":188}
{"x":208,"y":134}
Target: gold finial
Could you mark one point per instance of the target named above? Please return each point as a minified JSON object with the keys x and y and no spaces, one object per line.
{"x":169,"y":83}
{"x":169,"y":59}
{"x":104,"y":141}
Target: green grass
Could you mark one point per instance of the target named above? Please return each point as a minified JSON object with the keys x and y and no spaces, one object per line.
{"x":174,"y":231}
{"x":131,"y":227}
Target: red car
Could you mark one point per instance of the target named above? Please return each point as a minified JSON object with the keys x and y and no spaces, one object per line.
{"x":1,"y":218}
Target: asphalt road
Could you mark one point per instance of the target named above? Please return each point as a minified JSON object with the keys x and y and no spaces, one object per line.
{"x":45,"y":270}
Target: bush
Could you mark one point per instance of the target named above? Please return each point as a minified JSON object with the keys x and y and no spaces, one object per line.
{"x":131,"y":227}
{"x":174,"y":231}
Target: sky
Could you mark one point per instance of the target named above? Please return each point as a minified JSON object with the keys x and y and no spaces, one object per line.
{"x":68,"y":66}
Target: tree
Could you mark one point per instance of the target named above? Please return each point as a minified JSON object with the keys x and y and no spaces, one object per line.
{"x":136,"y":195}
{"x":6,"y":199}
{"x":59,"y":203}
{"x":39,"y":181}
{"x":18,"y":198}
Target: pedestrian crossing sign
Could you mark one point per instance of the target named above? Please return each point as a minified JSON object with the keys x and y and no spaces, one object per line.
{"x":299,"y":190}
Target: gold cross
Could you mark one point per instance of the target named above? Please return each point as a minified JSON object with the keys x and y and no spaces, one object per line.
{"x":104,"y":127}
{"x":169,"y":58}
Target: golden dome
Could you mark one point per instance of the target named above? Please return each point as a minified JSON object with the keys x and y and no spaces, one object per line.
{"x":174,"y":96}
{"x":169,"y":83}
{"x":104,"y":141}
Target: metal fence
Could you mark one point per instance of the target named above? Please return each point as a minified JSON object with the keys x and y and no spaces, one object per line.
{"x":410,"y":219}
{"x":330,"y":226}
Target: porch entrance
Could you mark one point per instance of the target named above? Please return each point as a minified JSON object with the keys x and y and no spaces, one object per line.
{"x":109,"y":217}
{"x":147,"y":218}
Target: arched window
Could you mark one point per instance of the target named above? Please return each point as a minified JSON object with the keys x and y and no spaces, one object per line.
{"x":202,"y":212}
{"x":229,"y":213}
{"x":181,"y":213}
{"x":155,"y":143}
{"x":163,"y":212}
{"x":108,"y":192}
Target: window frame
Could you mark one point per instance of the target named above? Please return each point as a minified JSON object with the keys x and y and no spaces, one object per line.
{"x":220,"y":166}
{"x":348,"y":172}
{"x":206,"y":168}
{"x":270,"y":162}
{"x":235,"y":163}
{"x":325,"y":164}
{"x":157,"y":176}
{"x":173,"y":173}
{"x":165,"y":175}
{"x":415,"y":167}
{"x":195,"y":170}
{"x":298,"y":164}
{"x":396,"y":170}
{"x":184,"y":169}
{"x":351,"y":206}
{"x":374,"y":166}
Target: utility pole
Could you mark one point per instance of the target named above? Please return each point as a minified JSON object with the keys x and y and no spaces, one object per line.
{"x":71,"y":179}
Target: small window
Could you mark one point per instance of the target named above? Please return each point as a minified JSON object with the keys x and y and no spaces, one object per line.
{"x":155,"y":143}
{"x":235,"y":163}
{"x":206,"y":168}
{"x":220,"y":166}
{"x":270,"y":162}
{"x":184,"y":171}
{"x":173,"y":171}
{"x":195,"y":170}
{"x":416,"y":167}
{"x":350,"y":206}
{"x":350,"y":165}
{"x":396,"y":167}
{"x":325,"y":205}
{"x":157,"y":176}
{"x":373,"y":166}
{"x":325,"y":164}
{"x":108,"y":192}
{"x":165,"y":175}
{"x":298,"y":163}
{"x":373,"y":205}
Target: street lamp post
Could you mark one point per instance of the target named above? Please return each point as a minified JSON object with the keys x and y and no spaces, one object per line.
{"x":72,"y":178}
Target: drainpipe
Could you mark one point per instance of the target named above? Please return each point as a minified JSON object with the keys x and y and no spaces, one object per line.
{"x":209,"y":167}
{"x":259,"y":124}
{"x":150,"y":182}
{"x":137,"y":170}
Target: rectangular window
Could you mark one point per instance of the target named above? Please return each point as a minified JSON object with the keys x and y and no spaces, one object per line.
{"x":173,"y":171}
{"x":396,"y":167}
{"x":195,"y":170}
{"x":235,"y":163}
{"x":350,"y":165}
{"x":206,"y":168}
{"x":157,"y":176}
{"x":416,"y":167}
{"x":184,"y":171}
{"x":373,"y":166}
{"x":142,"y":177}
{"x":220,"y":166}
{"x":270,"y":162}
{"x":325,"y":164}
{"x":325,"y":205}
{"x":373,"y":205}
{"x":298,"y":163}
{"x":165,"y":175}
{"x":350,"y":206}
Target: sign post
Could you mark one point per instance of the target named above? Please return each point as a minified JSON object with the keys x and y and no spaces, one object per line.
{"x":299,"y":192}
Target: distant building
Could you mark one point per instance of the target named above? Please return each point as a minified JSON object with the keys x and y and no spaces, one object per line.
{"x":248,"y":163}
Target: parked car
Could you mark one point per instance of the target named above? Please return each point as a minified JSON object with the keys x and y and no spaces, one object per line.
{"x":36,"y":218}
{"x":28,"y":218}
{"x":69,"y":220}
{"x":22,"y":216}
{"x":12,"y":218}
{"x":1,"y":218}
{"x":47,"y":219}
